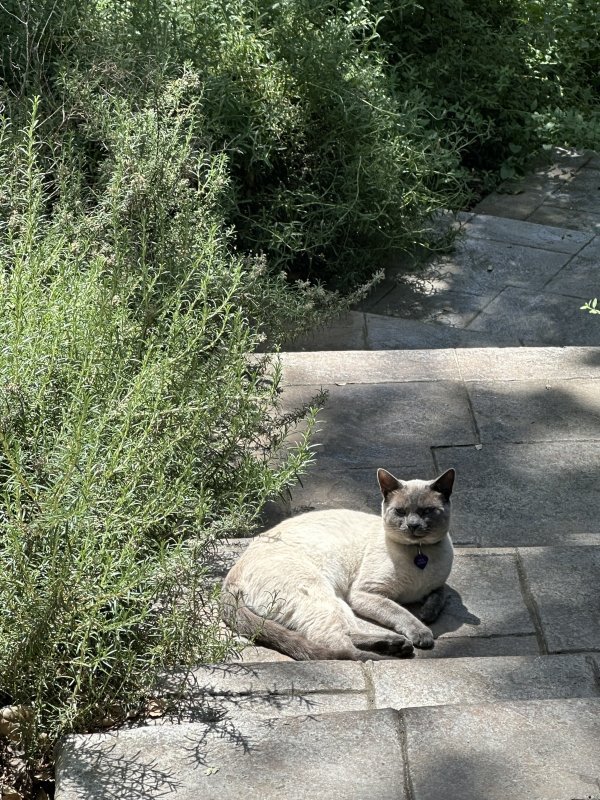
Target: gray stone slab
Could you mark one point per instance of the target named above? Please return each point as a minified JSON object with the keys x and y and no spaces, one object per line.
{"x":524,"y":494}
{"x":578,"y":220}
{"x":297,"y":677}
{"x":481,"y":647}
{"x":361,"y":367}
{"x":406,"y":684}
{"x":582,"y":192}
{"x":546,"y":237}
{"x":529,"y":363}
{"x":539,"y":319}
{"x":565,"y":587}
{"x":318,"y":757}
{"x":237,"y":711}
{"x":581,"y":276}
{"x":408,"y":334}
{"x":518,"y":205}
{"x":484,"y":597}
{"x":356,"y":488}
{"x":416,"y":300}
{"x":345,"y":333}
{"x":484,"y":267}
{"x":537,"y":749}
{"x":373,"y":425}
{"x":537,"y":411}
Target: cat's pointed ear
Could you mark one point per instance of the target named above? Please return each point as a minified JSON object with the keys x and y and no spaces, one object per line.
{"x":387,"y":482}
{"x":444,"y":483}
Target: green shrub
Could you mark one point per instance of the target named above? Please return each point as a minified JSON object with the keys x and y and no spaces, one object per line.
{"x":329,"y":172}
{"x":133,"y":429}
{"x":507,"y":76}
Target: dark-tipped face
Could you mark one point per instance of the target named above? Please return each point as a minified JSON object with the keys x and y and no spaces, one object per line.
{"x":416,"y":511}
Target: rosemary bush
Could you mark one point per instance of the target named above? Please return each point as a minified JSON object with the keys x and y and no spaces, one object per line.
{"x":133,"y":430}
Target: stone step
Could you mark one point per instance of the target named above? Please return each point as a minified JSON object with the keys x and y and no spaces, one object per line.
{"x":292,"y":688}
{"x":520,"y":425}
{"x":349,"y":756}
{"x":539,"y":749}
{"x":357,"y":330}
{"x":507,"y":282}
{"x":426,"y":364}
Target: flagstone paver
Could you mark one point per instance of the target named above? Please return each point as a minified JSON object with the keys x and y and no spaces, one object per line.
{"x":581,"y":276}
{"x":537,"y":749}
{"x":296,"y":677}
{"x":529,"y":363}
{"x":482,"y":680}
{"x":352,"y":756}
{"x":525,"y":494}
{"x":537,"y":411}
{"x":367,"y":425}
{"x":380,"y":367}
{"x":566,"y":589}
{"x":546,"y":237}
{"x":538,"y":318}
{"x":575,"y":219}
{"x":410,"y":334}
{"x":485,"y":597}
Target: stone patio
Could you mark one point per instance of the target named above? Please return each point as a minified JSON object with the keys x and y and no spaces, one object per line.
{"x":482,"y":361}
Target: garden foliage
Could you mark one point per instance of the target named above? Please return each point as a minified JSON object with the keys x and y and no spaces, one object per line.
{"x":183,"y":183}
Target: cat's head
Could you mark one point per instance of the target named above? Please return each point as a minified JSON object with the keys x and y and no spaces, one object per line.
{"x":416,"y":512}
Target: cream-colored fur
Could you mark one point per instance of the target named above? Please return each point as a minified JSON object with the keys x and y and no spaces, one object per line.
{"x":322,"y":574}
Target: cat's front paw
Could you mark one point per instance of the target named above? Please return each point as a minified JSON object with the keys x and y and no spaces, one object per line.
{"x":423,"y":639}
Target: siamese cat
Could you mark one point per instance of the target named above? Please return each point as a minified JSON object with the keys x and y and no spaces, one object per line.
{"x":330,"y":584}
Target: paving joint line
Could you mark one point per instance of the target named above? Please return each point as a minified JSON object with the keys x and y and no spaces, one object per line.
{"x":555,"y":294}
{"x":481,"y":310}
{"x":289,"y":692}
{"x":531,"y":604}
{"x":472,"y":414}
{"x":365,"y":331}
{"x":369,"y":690}
{"x":535,"y":246}
{"x":457,"y":364}
{"x":594,"y":666}
{"x":409,"y":791}
{"x":568,"y":261}
{"x":436,"y":468}
{"x":486,"y":636}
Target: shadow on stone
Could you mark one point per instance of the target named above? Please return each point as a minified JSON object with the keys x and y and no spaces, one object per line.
{"x":455,"y":615}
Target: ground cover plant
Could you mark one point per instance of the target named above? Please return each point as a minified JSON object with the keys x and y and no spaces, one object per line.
{"x":184,"y":183}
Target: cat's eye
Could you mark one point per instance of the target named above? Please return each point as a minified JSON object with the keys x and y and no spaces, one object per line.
{"x":428,"y":510}
{"x":400,"y":511}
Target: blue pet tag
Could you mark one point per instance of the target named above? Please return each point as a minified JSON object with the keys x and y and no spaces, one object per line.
{"x":421,"y":560}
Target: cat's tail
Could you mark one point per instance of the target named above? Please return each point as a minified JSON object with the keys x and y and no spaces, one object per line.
{"x":272,"y":634}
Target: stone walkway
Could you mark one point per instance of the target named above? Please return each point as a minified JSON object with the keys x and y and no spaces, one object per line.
{"x":522,"y":268}
{"x":483,"y":362}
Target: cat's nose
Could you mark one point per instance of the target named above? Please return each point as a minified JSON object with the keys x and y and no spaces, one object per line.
{"x":413,"y":525}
